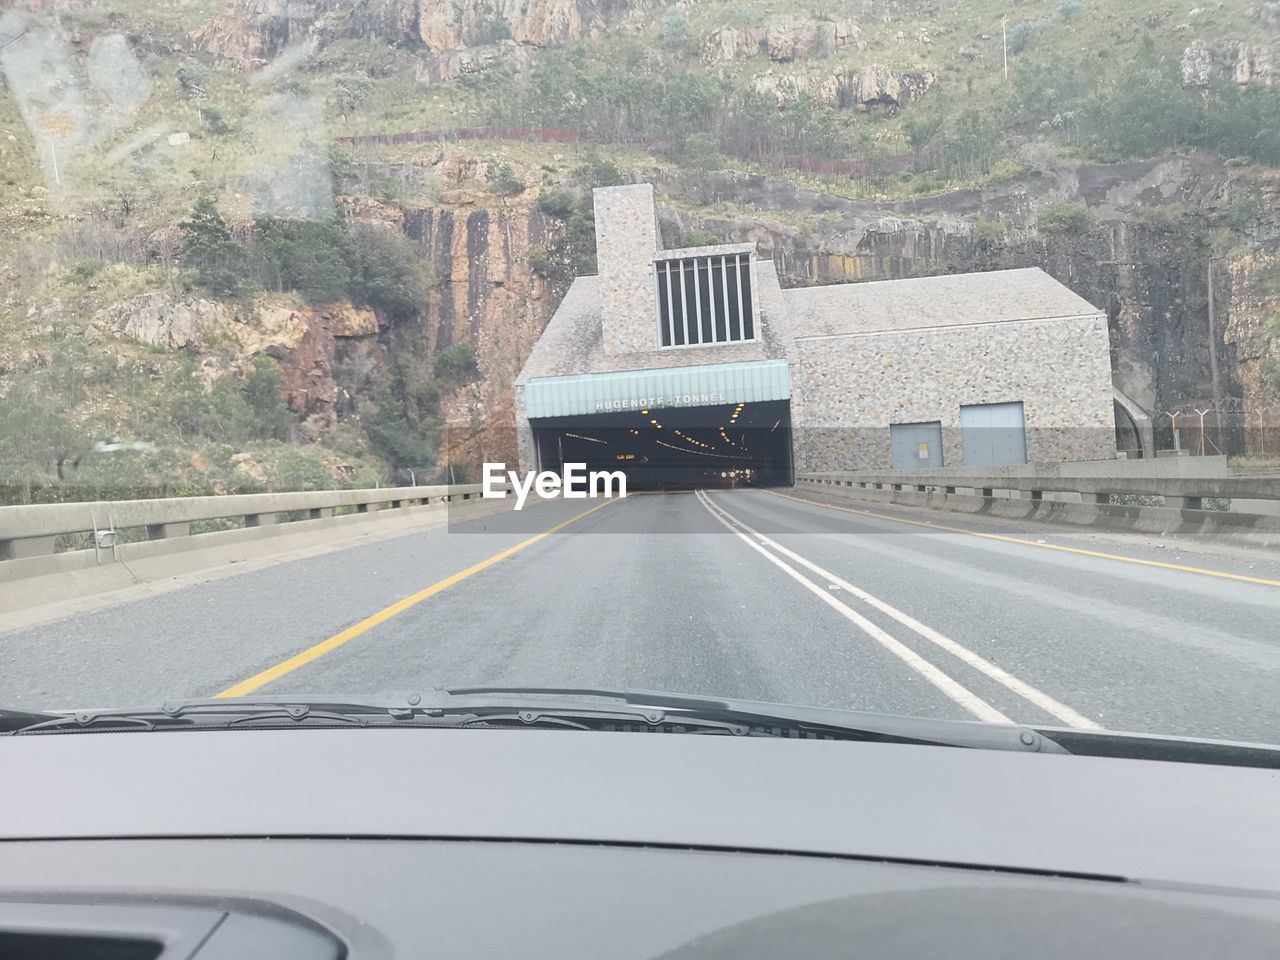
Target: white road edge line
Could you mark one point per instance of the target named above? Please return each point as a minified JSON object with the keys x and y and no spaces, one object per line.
{"x":966,"y":698}
{"x":1029,"y":693}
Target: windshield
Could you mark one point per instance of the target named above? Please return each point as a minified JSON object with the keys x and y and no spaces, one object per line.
{"x":903,"y":357}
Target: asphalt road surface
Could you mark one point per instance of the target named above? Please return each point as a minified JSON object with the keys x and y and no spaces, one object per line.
{"x":744,"y":593}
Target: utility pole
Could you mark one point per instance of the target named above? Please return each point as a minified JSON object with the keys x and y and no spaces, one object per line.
{"x":1213,"y":358}
{"x":1004,"y":38}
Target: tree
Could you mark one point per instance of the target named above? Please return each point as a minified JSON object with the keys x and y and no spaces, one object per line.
{"x":209,"y":250}
{"x":262,"y":391}
{"x":698,"y":152}
{"x":387,"y":273}
{"x":309,"y":256}
{"x":348,"y":90}
{"x":504,"y":183}
{"x":675,"y":28}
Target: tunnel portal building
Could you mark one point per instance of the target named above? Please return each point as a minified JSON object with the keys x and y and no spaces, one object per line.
{"x":693,"y":365}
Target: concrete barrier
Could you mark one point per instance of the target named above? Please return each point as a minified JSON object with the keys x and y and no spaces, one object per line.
{"x":32,"y":531}
{"x":1089,"y":501}
{"x":37,"y":589}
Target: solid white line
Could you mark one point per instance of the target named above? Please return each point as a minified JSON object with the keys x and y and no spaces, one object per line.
{"x":998,"y":674}
{"x":954,"y":690}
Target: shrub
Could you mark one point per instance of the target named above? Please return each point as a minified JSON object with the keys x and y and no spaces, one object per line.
{"x":263,"y":386}
{"x":1023,"y":33}
{"x":698,"y":152}
{"x":387,"y":274}
{"x":503,"y":181}
{"x":1006,"y":168}
{"x":698,"y":237}
{"x":1070,"y":9}
{"x":192,"y":81}
{"x":393,"y":434}
{"x":309,"y":256}
{"x":599,"y":172}
{"x":556,"y":203}
{"x":675,"y":28}
{"x":455,"y":365}
{"x":214,"y":121}
{"x":539,"y":260}
{"x":1066,"y":218}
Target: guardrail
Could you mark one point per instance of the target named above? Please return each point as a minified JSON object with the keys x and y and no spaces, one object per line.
{"x":34,"y":530}
{"x":1233,"y":506}
{"x":1186,"y":493}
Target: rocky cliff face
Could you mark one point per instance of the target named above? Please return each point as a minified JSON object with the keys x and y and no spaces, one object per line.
{"x":488,"y":295}
{"x":1144,"y":264}
{"x":305,"y":342}
{"x":782,"y":39}
{"x":253,"y":32}
{"x":454,"y":24}
{"x":1253,"y":328}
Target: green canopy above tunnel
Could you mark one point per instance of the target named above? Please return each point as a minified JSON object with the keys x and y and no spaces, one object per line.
{"x":693,"y":386}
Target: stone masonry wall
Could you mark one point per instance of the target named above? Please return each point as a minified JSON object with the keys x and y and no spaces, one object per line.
{"x":847,"y":390}
{"x":626,"y":242}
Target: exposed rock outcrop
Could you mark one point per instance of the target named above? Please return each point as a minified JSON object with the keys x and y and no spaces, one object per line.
{"x":304,"y":341}
{"x":875,"y":86}
{"x":782,"y":39}
{"x":161,"y":320}
{"x":488,"y":295}
{"x":1244,"y":62}
{"x":1253,"y":329}
{"x":454,"y":24}
{"x":254,"y":32}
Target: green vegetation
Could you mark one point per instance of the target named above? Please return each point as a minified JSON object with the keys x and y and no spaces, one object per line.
{"x":1088,"y":80}
{"x":698,"y":237}
{"x":540,"y":260}
{"x":456,"y":365}
{"x":320,"y":260}
{"x":504,"y":183}
{"x":402,"y":420}
{"x":1066,"y":219}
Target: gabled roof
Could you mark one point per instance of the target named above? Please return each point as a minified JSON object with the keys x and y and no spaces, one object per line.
{"x":997,"y":296}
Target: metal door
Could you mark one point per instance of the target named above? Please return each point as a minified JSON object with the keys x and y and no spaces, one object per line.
{"x":916,"y":445}
{"x":993,"y":434}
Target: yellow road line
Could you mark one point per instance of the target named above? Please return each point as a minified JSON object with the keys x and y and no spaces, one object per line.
{"x":1032,"y":543}
{"x":245,"y":687}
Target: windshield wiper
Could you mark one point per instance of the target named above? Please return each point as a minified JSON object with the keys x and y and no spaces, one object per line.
{"x":557,"y":708}
{"x":576,"y":708}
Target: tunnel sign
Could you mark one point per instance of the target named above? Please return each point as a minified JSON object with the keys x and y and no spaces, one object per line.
{"x":706,"y":385}
{"x":677,"y":400}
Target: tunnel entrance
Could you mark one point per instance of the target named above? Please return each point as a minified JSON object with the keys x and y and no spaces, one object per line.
{"x":725,"y":445}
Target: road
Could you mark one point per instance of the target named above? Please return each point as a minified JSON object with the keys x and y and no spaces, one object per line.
{"x":745,"y":593}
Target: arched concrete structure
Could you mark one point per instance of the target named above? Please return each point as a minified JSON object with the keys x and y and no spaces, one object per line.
{"x":1141,"y":419}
